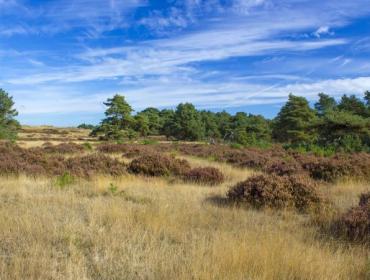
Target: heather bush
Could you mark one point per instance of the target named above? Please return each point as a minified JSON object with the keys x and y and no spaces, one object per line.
{"x":158,"y":165}
{"x":283,"y":167}
{"x":338,"y":167}
{"x":364,"y":199}
{"x":15,"y":160}
{"x":355,"y":224}
{"x":204,"y":175}
{"x":89,"y":165}
{"x":35,"y":162}
{"x":64,"y":148}
{"x":276,"y":192}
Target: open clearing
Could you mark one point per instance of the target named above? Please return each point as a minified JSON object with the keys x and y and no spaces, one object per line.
{"x":135,"y":227}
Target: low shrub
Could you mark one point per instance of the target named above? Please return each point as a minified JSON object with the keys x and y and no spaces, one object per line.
{"x":64,"y":148}
{"x":283,"y":167}
{"x":205,"y":175}
{"x":364,"y":199}
{"x":276,"y":192}
{"x":158,"y":165}
{"x":89,"y":165}
{"x":354,"y":225}
{"x":35,"y":162}
{"x":338,"y":167}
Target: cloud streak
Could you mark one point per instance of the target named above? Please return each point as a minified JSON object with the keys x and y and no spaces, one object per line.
{"x":212,"y":53}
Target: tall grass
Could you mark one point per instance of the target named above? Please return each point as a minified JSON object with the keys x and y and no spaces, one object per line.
{"x":150,"y":228}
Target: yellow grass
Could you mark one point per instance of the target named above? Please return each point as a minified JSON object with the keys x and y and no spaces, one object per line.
{"x":154,"y":228}
{"x":151,"y":228}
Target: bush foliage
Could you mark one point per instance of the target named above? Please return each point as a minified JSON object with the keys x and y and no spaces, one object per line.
{"x":158,"y":165}
{"x":272,"y":191}
{"x":204,"y":175}
{"x":355,"y":224}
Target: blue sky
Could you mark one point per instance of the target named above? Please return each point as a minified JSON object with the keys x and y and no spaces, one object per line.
{"x":61,"y":59}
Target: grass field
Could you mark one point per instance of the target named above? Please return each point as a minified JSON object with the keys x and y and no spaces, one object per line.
{"x":135,"y":227}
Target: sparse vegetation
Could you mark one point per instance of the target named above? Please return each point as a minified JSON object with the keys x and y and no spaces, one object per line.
{"x":204,"y":175}
{"x":74,"y":209}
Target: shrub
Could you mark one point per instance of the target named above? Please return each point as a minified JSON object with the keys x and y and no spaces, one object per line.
{"x":35,"y":162}
{"x":158,"y":165}
{"x":89,"y":165}
{"x":338,"y":167}
{"x":64,"y":148}
{"x":205,"y":175}
{"x":355,"y":224}
{"x":284,"y":167}
{"x":276,"y":192}
{"x":364,"y":199}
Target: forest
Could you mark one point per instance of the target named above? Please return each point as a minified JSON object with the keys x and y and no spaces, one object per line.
{"x":327,"y":128}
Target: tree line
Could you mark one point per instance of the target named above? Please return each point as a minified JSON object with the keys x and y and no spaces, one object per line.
{"x":329,"y":125}
{"x":332,"y":125}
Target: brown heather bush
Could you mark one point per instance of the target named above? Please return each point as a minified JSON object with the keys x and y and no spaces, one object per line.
{"x":89,"y":165}
{"x":354,"y":225}
{"x":158,"y":165}
{"x":15,"y":160}
{"x":204,"y":175}
{"x":63,"y":148}
{"x":35,"y":162}
{"x":337,"y":167}
{"x":276,"y":192}
{"x":284,"y":167}
{"x":110,"y":148}
{"x":364,"y":199}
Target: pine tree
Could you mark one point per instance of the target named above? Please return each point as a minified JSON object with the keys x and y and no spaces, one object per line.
{"x":325,"y":104}
{"x":353,"y":105}
{"x":187,"y":124}
{"x":8,"y":125}
{"x":295,"y":122}
{"x":118,"y":122}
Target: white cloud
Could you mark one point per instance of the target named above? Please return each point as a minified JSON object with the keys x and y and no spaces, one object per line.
{"x":164,"y":72}
{"x":323,"y":30}
{"x":170,"y":92}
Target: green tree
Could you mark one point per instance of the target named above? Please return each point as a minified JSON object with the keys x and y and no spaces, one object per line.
{"x":325,"y":104}
{"x":209,"y":120}
{"x":259,"y":129}
{"x":118,"y":122}
{"x":353,"y":105}
{"x":142,"y":124}
{"x":8,"y":125}
{"x":224,"y":121}
{"x":344,"y":130}
{"x":154,"y":120}
{"x":367,"y":98}
{"x":187,"y":123}
{"x":295,"y":122}
{"x":167,"y":119}
{"x":251,"y":130}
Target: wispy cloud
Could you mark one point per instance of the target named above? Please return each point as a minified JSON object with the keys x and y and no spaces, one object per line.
{"x":210,"y":52}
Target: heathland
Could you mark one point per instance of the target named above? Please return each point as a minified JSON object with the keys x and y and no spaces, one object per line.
{"x":76,"y":208}
{"x":188,"y":194}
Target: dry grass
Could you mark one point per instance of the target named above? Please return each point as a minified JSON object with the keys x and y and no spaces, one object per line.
{"x":134,"y":227}
{"x":148,"y":228}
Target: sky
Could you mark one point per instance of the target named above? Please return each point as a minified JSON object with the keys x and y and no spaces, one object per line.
{"x":61,"y":59}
